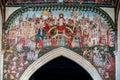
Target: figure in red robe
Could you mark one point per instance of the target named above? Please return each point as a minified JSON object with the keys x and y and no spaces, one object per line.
{"x":23,"y":41}
{"x":40,"y":43}
{"x":61,"y":19}
{"x":46,"y":28}
{"x":100,"y":40}
{"x":111,"y":61}
{"x":80,"y":43}
{"x":61,"y":22}
{"x":21,"y":61}
{"x":69,"y":42}
{"x":110,"y":67}
{"x":54,"y":42}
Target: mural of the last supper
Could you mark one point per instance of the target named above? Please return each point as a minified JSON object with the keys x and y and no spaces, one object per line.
{"x":36,"y":32}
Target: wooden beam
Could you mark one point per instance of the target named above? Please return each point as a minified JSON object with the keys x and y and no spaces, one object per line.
{"x":0,"y":3}
{"x":3,"y":9}
{"x":115,"y":2}
{"x":117,"y":8}
{"x":5,"y":1}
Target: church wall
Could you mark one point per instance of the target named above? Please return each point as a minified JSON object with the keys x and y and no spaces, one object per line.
{"x":23,"y":53}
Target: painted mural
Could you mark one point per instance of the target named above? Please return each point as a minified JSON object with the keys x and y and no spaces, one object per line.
{"x":32,"y":32}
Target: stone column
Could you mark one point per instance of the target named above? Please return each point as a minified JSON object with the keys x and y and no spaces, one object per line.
{"x":1,"y":54}
{"x":118,"y":53}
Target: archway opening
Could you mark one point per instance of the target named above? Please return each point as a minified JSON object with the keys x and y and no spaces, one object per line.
{"x":61,"y":68}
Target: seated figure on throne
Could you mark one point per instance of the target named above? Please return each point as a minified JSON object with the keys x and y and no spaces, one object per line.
{"x":61,"y":22}
{"x":61,"y":19}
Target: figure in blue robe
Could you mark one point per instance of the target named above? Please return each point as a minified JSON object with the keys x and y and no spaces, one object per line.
{"x":44,"y":42}
{"x":41,"y":33}
{"x":62,"y":42}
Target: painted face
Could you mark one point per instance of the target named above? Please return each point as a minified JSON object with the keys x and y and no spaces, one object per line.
{"x":61,"y":15}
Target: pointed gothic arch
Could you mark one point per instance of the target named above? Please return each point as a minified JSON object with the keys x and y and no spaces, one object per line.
{"x":65,"y":53}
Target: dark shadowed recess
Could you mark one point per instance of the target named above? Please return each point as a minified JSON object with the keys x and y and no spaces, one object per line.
{"x":61,"y":68}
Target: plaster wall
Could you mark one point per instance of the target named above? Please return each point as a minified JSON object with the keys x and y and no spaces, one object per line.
{"x":10,"y":10}
{"x":109,"y":11}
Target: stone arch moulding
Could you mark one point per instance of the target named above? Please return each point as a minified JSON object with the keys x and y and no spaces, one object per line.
{"x":56,"y":53}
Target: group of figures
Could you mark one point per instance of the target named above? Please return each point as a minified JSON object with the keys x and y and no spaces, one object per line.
{"x":100,"y":57}
{"x":87,"y":35}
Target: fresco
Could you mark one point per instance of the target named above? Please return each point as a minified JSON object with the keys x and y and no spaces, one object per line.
{"x":35,"y":32}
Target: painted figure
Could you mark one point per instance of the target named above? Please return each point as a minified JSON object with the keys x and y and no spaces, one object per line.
{"x":69,"y":42}
{"x":80,"y":43}
{"x":30,"y":55}
{"x":48,"y":41}
{"x":76,"y":42}
{"x":41,"y":33}
{"x":61,"y":20}
{"x":62,"y":41}
{"x":53,"y":42}
{"x":21,"y":60}
{"x":35,"y":57}
{"x":44,"y":42}
{"x":58,"y":41}
{"x":19,"y":47}
{"x":73,"y":42}
{"x":23,"y":41}
{"x":40,"y":43}
{"x":74,"y":16}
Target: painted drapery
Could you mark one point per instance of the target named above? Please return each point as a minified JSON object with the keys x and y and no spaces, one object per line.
{"x":33,"y":31}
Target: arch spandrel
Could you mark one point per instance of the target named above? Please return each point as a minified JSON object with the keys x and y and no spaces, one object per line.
{"x":65,"y":53}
